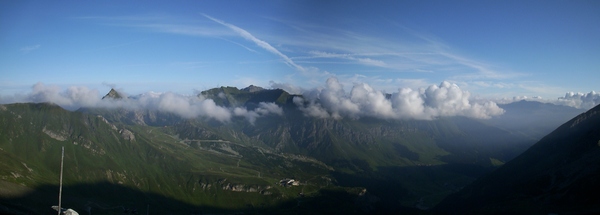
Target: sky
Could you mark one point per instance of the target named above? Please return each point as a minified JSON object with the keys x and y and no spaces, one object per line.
{"x":489,"y":50}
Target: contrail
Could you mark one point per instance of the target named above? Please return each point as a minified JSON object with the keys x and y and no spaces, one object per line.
{"x":246,"y":35}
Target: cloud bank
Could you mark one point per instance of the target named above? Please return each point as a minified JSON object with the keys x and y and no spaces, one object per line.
{"x":329,"y":101}
{"x":571,"y":99}
{"x":185,"y":106}
{"x":425,"y":103}
{"x":264,"y":108}
{"x":580,"y":100}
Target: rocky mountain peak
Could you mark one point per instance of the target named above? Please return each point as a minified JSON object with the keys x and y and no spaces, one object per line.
{"x":253,"y":88}
{"x":113,"y":94}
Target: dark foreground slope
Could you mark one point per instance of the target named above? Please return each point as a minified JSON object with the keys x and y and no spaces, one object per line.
{"x":559,"y":174}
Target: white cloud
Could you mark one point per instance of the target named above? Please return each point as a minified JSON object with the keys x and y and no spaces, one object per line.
{"x":571,"y":99}
{"x":330,"y":101}
{"x":435,"y":101}
{"x":521,"y":98}
{"x":311,"y":108}
{"x":185,"y":106}
{"x":72,"y":98}
{"x":263,"y":109}
{"x":580,"y":100}
{"x":291,"y":89}
{"x":190,"y":106}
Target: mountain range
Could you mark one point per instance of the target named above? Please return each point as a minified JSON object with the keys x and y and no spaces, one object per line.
{"x":121,"y":159}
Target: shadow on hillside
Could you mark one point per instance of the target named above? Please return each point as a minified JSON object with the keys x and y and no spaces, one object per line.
{"x":99,"y":198}
{"x":109,"y":198}
{"x":403,"y":189}
{"x":387,"y":187}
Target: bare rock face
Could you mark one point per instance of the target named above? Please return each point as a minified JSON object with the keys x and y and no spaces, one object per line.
{"x":108,"y":123}
{"x":127,"y":134}
{"x":60,"y":136}
{"x":113,"y":94}
{"x":247,"y":188}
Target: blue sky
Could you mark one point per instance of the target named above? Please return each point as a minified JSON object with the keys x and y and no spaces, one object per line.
{"x":492,"y":49}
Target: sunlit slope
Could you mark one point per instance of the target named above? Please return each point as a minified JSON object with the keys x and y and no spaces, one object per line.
{"x":222,"y":174}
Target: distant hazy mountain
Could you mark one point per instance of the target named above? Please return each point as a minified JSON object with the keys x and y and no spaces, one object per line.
{"x":559,"y":174}
{"x":534,"y":119}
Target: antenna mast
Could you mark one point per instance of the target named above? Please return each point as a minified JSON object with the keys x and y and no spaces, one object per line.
{"x":62,"y":157}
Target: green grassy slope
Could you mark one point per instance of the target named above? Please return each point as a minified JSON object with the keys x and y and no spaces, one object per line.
{"x":155,"y":164}
{"x":228,"y":166}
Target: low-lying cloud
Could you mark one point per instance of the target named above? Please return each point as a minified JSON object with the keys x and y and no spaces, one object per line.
{"x":428,"y":103}
{"x":571,"y":99}
{"x":71,"y":98}
{"x":330,"y":101}
{"x":264,"y":108}
{"x":76,"y":97}
{"x":580,"y":100}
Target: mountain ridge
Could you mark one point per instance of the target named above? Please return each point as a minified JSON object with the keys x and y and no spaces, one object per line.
{"x":423,"y":160}
{"x":156,"y":161}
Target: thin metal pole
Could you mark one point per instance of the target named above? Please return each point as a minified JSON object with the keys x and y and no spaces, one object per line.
{"x":62,"y":157}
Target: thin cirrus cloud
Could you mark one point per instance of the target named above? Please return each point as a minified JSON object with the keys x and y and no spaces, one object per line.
{"x":411,"y":51}
{"x":351,"y":57}
{"x":167,"y":25}
{"x":28,"y":49}
{"x":160,"y":24}
{"x":417,"y":54}
{"x":248,"y":36}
